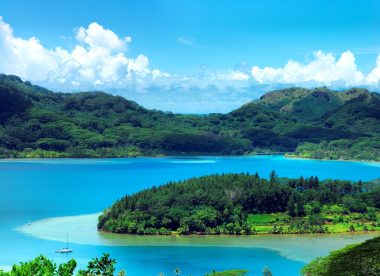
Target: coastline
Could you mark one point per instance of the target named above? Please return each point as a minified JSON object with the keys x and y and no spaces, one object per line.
{"x":200,"y":234}
{"x":296,"y":157}
{"x":158,"y":156}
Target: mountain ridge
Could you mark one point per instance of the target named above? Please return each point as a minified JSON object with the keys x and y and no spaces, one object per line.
{"x":36,"y":122}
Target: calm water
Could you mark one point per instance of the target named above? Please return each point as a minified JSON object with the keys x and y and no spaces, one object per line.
{"x":32,"y":190}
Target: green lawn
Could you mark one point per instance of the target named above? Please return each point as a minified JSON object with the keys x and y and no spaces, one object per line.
{"x":265,"y":219}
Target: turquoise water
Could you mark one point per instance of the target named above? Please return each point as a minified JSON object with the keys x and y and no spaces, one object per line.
{"x":32,"y":190}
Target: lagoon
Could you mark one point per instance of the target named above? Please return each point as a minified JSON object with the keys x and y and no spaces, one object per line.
{"x":42,"y":200}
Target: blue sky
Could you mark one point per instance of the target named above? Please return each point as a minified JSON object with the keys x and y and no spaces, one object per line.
{"x":204,"y":51}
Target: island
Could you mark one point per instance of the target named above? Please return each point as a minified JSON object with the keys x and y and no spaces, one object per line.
{"x":308,"y":123}
{"x":243,"y":204}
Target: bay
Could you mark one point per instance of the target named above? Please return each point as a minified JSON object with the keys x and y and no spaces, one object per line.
{"x":39,"y":192}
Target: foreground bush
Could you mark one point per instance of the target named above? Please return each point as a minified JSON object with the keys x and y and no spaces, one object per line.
{"x":42,"y":266}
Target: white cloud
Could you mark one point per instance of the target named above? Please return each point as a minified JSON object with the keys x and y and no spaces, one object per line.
{"x":24,"y":57}
{"x":98,"y":60}
{"x":324,"y":69}
{"x":95,"y":36}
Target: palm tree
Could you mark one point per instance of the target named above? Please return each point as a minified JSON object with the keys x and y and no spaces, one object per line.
{"x":177,"y":271}
{"x":161,"y":274}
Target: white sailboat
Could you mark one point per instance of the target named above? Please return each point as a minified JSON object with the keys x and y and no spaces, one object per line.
{"x":66,"y":249}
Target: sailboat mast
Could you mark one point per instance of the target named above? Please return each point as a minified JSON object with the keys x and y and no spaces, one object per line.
{"x":67,"y":240}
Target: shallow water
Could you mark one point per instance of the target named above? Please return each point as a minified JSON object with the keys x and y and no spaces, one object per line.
{"x":83,"y":231}
{"x":52,"y":193}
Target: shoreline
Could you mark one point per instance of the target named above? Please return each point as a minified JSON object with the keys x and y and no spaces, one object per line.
{"x":325,"y":159}
{"x":285,"y":155}
{"x":174,"y":234}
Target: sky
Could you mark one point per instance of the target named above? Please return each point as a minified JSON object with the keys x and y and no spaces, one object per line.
{"x":191,"y":56}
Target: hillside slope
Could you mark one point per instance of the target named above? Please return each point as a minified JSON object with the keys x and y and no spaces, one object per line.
{"x":306,"y":105}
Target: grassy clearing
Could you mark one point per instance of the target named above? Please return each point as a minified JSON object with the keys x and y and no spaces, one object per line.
{"x":335,"y":223}
{"x":229,"y":273}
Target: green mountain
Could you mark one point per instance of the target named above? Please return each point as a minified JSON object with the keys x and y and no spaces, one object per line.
{"x":355,"y":260}
{"x":36,"y":122}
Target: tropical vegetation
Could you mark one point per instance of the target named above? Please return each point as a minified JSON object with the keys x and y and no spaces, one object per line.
{"x":41,"y":265}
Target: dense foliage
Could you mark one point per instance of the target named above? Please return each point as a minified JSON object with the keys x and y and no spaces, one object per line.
{"x":223,"y":204}
{"x":104,"y":266}
{"x":41,"y":266}
{"x":35,"y":122}
{"x":359,"y":149}
{"x":355,"y":260}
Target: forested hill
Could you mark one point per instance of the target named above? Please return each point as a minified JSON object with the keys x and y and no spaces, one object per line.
{"x":318,"y":123}
{"x":247,"y":204}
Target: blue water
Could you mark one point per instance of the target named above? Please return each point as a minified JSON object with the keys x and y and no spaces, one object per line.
{"x":36,"y":189}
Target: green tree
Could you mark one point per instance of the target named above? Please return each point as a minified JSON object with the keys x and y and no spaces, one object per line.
{"x":67,"y":269}
{"x":273,"y":177}
{"x":104,"y":266}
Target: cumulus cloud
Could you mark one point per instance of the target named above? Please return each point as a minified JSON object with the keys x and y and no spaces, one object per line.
{"x":24,"y":57}
{"x":324,"y":69}
{"x":98,"y":60}
{"x":95,"y":36}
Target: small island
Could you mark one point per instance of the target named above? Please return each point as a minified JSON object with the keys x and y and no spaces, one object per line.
{"x":243,"y":204}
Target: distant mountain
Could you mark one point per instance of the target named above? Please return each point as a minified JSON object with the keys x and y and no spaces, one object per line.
{"x":36,"y":122}
{"x":305,"y":105}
